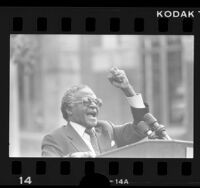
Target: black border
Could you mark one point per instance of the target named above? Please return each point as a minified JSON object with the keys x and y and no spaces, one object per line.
{"x":100,"y":3}
{"x":102,"y":16}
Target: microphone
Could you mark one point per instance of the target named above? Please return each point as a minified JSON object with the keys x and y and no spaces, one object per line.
{"x":155,"y":126}
{"x":144,"y":129}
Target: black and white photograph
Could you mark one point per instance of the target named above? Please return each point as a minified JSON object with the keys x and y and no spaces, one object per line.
{"x":101,"y":96}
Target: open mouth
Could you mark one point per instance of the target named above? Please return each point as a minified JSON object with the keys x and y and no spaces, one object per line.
{"x":92,"y":114}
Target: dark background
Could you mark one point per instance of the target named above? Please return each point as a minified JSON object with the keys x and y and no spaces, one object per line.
{"x":102,"y":15}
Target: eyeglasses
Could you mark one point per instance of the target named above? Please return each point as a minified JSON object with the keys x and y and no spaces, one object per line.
{"x":87,"y":101}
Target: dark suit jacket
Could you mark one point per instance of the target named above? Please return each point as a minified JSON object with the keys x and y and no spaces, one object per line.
{"x":65,"y":140}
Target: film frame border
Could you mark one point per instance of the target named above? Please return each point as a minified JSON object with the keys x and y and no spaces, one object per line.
{"x":99,"y":21}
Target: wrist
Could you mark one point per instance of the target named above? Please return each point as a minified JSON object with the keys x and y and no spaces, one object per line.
{"x":129,"y":91}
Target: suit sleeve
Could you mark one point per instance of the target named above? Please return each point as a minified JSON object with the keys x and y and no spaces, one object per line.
{"x":138,"y":113}
{"x":127,"y":133}
{"x":50,"y":148}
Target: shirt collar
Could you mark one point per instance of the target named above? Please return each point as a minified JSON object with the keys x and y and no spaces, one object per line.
{"x":79,"y":128}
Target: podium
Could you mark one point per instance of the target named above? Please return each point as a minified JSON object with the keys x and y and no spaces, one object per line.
{"x":153,"y":149}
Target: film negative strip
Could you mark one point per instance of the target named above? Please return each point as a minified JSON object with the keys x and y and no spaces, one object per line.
{"x":128,"y":56}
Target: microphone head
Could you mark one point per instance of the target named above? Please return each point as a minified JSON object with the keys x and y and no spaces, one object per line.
{"x":149,"y":119}
{"x":143,"y":128}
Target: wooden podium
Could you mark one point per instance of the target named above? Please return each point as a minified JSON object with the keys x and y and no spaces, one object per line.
{"x":153,"y":149}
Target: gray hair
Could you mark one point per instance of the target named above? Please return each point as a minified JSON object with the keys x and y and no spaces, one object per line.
{"x":68,"y":99}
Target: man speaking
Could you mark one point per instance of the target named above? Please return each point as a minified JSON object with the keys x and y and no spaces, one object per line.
{"x":85,"y":135}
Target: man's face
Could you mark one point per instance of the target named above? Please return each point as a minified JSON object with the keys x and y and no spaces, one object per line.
{"x":84,"y":114}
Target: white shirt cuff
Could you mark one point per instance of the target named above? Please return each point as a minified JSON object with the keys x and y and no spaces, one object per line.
{"x":136,"y":101}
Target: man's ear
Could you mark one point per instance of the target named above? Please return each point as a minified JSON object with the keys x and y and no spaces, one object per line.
{"x":69,"y":111}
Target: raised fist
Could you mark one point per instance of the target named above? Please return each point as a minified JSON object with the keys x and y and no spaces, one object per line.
{"x":118,"y":78}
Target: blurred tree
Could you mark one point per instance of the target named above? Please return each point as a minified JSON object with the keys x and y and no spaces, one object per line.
{"x":24,"y":50}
